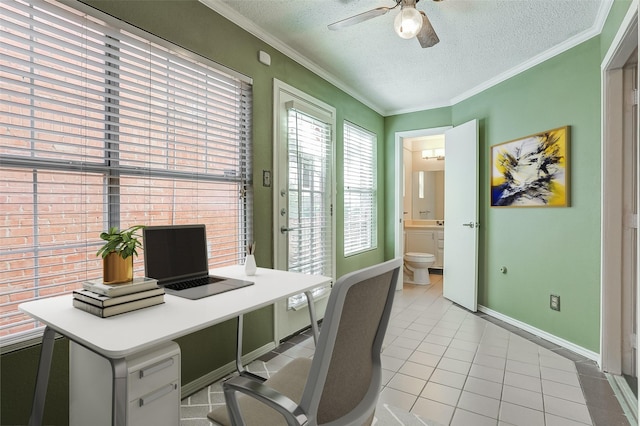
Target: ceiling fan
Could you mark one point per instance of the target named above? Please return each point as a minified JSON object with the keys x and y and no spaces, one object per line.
{"x":409,"y":23}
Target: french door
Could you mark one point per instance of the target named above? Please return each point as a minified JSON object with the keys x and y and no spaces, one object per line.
{"x":303,"y":199}
{"x":304,"y":195}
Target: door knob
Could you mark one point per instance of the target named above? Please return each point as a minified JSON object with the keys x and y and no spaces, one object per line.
{"x":470,"y":224}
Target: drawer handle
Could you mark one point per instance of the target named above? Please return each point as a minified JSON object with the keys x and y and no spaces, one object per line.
{"x":156,"y":367}
{"x":147,"y":399}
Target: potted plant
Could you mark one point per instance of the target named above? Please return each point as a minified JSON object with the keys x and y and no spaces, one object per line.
{"x":117,"y":253}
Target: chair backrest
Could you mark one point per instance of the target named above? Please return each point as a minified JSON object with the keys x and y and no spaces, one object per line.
{"x":345,"y":376}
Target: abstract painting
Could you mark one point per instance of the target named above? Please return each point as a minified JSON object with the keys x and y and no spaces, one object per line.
{"x":532,"y":171}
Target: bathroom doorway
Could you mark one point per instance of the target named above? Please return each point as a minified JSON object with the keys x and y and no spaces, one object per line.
{"x":423,"y":208}
{"x":460,"y":271}
{"x":416,"y":141}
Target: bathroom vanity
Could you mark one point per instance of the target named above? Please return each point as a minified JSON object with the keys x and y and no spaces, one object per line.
{"x":425,"y":237}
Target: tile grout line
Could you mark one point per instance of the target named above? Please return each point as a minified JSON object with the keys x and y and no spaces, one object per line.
{"x":539,"y":368}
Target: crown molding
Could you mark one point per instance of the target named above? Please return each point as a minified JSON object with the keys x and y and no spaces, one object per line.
{"x":229,"y":13}
{"x":423,"y":107}
{"x":596,"y":29}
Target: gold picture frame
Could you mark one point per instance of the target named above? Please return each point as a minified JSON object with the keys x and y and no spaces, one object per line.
{"x":532,"y":171}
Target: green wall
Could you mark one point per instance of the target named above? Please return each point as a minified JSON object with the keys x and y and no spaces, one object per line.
{"x":17,"y":377}
{"x":546,"y":250}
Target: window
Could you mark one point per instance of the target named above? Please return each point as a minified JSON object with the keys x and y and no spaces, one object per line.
{"x":103,"y":125}
{"x":360,"y":190}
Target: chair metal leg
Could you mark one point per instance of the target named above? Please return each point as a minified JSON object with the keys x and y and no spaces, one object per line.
{"x":314,"y":328}
{"x":42,"y":377}
{"x":312,"y":316}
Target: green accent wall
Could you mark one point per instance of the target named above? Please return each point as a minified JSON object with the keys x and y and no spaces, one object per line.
{"x":546,"y":250}
{"x":195,"y":27}
{"x":17,"y":380}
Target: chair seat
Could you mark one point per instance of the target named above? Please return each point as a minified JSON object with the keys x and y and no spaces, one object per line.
{"x":289,"y":381}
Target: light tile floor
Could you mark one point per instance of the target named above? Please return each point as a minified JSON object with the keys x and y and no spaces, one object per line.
{"x":444,"y":365}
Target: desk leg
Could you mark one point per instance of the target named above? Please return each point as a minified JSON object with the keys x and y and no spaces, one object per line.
{"x":239,"y":365}
{"x":42,"y":377}
{"x":312,"y":316}
{"x":119,"y":392}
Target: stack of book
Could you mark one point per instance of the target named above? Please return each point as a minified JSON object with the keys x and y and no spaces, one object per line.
{"x":105,"y":300}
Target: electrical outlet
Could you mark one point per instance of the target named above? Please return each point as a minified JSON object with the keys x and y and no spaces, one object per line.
{"x":554,"y":302}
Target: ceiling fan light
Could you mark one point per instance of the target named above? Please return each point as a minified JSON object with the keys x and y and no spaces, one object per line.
{"x":408,"y":22}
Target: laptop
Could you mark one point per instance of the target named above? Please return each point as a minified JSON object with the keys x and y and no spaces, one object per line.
{"x":176,"y":256}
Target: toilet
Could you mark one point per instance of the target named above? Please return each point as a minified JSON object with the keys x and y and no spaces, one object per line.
{"x":418,"y":264}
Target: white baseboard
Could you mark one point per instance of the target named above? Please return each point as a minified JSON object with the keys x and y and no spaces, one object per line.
{"x":223,"y":371}
{"x":543,"y":334}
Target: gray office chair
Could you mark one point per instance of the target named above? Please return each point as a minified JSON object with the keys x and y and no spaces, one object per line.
{"x":340,"y":385}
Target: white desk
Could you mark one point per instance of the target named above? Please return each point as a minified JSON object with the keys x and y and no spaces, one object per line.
{"x":122,"y":335}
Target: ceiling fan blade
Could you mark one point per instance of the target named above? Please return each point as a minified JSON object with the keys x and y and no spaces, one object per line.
{"x":427,"y":35}
{"x":356,"y":19}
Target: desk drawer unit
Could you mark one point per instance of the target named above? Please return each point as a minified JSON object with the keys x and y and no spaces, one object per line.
{"x":153,"y":387}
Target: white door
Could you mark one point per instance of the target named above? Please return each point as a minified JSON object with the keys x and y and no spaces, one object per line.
{"x":304,"y":194}
{"x":460,"y":275}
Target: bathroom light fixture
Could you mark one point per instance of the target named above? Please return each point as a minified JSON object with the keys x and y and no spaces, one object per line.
{"x":408,"y":22}
{"x":433,"y":153}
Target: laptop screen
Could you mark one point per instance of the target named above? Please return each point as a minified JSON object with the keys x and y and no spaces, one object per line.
{"x":175,"y":252}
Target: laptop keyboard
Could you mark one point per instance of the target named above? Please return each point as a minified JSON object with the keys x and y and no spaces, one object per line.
{"x":196,"y":282}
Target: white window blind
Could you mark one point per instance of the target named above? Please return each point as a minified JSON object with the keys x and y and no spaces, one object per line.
{"x":360,"y":190}
{"x":310,"y":209}
{"x":103,"y":125}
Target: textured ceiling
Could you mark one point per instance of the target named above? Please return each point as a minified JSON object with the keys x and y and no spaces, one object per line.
{"x":482,"y":42}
